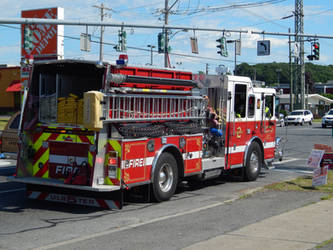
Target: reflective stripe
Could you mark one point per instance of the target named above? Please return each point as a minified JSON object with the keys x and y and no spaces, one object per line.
{"x":194,"y":155}
{"x":269,"y":145}
{"x":90,"y":159}
{"x":116,"y":146}
{"x":63,"y":159}
{"x":41,"y":160}
{"x":238,"y":149}
{"x":149,"y":161}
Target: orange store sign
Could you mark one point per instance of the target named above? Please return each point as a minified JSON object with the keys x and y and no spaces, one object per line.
{"x":47,"y":40}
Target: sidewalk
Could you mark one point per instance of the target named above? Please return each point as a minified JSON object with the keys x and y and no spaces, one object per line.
{"x":302,"y":228}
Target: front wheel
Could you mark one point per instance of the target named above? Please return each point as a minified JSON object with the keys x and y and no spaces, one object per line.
{"x":165,"y":177}
{"x":310,"y":122}
{"x":253,"y":162}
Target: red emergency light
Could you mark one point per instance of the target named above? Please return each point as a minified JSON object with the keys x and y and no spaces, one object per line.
{"x":123,"y":60}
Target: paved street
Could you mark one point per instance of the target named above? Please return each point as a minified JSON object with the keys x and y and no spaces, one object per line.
{"x":192,"y":216}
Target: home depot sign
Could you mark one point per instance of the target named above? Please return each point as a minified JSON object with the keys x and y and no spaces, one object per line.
{"x":47,"y":40}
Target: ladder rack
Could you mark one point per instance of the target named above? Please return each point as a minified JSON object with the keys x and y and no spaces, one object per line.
{"x":133,"y":108}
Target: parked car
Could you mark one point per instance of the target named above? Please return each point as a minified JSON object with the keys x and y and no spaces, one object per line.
{"x":299,"y":117}
{"x":327,"y":119}
{"x":9,"y":137}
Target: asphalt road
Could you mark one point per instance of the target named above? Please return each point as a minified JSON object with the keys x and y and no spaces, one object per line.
{"x":192,"y":215}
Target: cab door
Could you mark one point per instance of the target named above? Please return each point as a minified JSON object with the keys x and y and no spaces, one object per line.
{"x":269,"y":130}
{"x":237,"y":126}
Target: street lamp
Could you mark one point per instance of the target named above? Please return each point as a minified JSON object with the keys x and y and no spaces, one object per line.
{"x":151,"y":53}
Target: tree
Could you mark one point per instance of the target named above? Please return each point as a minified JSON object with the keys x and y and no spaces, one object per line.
{"x":268,"y":72}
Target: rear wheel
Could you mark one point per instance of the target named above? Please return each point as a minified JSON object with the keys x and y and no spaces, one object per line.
{"x":323,"y":125}
{"x":253,"y":162}
{"x":165,"y":177}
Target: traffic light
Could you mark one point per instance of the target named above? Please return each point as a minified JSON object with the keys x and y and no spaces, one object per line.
{"x":315,"y":49}
{"x":161,"y":42}
{"x":27,"y":43}
{"x":222,"y":45}
{"x":122,"y":43}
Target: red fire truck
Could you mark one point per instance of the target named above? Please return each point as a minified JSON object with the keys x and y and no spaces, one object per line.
{"x":91,"y":130}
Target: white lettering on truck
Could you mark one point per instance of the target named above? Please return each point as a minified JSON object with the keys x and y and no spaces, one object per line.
{"x":135,"y":163}
{"x":64,"y":170}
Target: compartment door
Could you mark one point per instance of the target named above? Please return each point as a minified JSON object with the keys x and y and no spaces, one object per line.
{"x":68,"y":158}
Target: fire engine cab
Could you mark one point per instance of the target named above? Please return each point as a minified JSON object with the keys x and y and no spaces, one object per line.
{"x":89,"y":130}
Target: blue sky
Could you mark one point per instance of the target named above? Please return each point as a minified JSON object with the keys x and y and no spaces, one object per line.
{"x":318,"y":19}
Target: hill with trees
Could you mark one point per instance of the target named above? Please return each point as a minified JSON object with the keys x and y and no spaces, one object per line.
{"x":272,"y":73}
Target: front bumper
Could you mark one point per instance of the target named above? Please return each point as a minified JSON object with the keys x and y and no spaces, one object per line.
{"x":327,"y":122}
{"x":293,"y":122}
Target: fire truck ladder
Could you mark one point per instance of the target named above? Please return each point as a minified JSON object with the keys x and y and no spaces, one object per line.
{"x":132,"y":108}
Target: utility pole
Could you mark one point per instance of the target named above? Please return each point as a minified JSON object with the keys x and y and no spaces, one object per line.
{"x":166,"y":35}
{"x":290,"y":76}
{"x":101,"y":8}
{"x":299,"y":61}
{"x":166,"y":42}
{"x":151,"y":53}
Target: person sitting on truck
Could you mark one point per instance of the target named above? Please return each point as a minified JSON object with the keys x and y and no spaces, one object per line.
{"x":211,"y":116}
{"x":268,"y":112}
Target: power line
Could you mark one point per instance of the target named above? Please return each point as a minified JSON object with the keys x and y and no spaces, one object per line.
{"x":139,"y":7}
{"x":243,"y":9}
{"x":228,"y":7}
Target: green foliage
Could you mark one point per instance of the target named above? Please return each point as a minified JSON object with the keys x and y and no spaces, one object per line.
{"x":330,"y":96}
{"x":269,"y":72}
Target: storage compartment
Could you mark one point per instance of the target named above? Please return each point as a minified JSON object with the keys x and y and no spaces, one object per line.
{"x":57,"y":90}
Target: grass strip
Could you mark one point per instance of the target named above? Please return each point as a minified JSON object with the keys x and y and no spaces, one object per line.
{"x":304,"y":183}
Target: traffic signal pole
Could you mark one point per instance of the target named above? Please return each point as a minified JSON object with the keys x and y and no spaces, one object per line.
{"x":147,"y":26}
{"x":166,"y":43}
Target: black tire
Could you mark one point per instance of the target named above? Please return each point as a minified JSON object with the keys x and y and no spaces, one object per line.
{"x":310,"y":122}
{"x":253,"y":162}
{"x":323,"y":125}
{"x":165,"y":177}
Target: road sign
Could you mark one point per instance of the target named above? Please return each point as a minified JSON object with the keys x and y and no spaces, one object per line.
{"x":238,"y":47}
{"x":194,"y":45}
{"x":85,"y":42}
{"x":263,"y":48}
